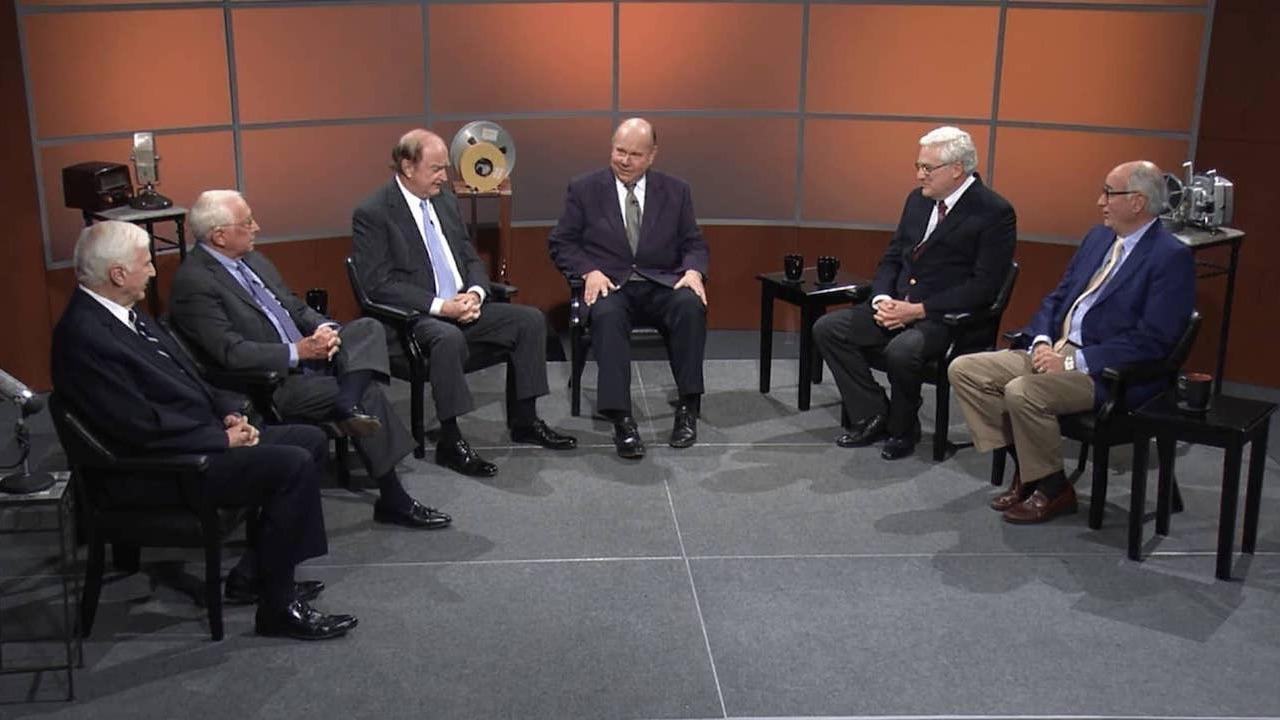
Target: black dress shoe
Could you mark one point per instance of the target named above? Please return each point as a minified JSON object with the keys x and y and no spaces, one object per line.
{"x":459,"y":456}
{"x":239,"y":590}
{"x":626,"y":438}
{"x":356,"y":423}
{"x":300,"y":621}
{"x":416,"y":515}
{"x":897,"y":448}
{"x":684,"y":432}
{"x":864,"y":432}
{"x":540,"y":434}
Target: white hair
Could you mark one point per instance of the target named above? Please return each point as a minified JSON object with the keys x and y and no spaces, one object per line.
{"x":105,"y":244}
{"x":210,"y":210}
{"x":954,"y":146}
{"x":1146,"y":178}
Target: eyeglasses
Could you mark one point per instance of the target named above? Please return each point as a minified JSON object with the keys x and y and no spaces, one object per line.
{"x":1112,"y":193}
{"x":246,"y":223}
{"x":928,"y":169}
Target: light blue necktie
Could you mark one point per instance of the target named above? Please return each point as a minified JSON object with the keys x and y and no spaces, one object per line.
{"x":446,"y":285}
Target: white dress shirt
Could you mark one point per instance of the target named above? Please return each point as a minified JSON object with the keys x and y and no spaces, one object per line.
{"x":415,"y":208}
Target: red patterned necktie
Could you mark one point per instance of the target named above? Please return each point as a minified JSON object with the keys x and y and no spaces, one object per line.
{"x":919,"y":248}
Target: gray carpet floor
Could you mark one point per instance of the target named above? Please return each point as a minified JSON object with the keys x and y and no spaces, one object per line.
{"x":762,"y":573}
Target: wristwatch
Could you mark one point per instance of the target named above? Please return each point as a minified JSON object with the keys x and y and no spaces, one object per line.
{"x":1069,"y":362}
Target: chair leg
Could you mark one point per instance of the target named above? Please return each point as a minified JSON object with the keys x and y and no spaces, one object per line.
{"x":95,"y":564}
{"x":941,"y":417}
{"x":342,"y":452}
{"x":213,"y":579}
{"x":1084,"y":458}
{"x":1098,"y":495}
{"x":417,"y":386}
{"x":577,"y":361}
{"x":125,"y":557}
{"x":998,"y":457}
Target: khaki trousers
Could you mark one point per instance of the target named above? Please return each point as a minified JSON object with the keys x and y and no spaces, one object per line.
{"x":1005,"y":402}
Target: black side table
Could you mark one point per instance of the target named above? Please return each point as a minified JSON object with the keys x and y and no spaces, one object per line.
{"x":1230,"y":423}
{"x":813,"y":298}
{"x":36,"y":505}
{"x":147,"y":219}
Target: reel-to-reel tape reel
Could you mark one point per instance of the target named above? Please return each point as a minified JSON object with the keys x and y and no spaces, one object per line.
{"x":484,"y":154}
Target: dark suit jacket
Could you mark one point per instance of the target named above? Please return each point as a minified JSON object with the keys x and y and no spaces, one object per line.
{"x":1139,"y":315}
{"x":591,"y":234}
{"x":138,"y":399}
{"x":394,"y":265}
{"x":214,"y":310}
{"x":961,"y":267}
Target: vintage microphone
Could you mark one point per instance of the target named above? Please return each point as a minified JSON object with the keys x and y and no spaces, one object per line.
{"x":25,"y":482}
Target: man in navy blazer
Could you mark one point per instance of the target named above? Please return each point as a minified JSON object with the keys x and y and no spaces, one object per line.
{"x":412,"y":251}
{"x":1125,"y":298}
{"x":950,"y":253}
{"x":630,"y":233}
{"x":124,"y":374}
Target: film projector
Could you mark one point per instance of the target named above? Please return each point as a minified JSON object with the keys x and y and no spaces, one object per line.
{"x":484,"y":154}
{"x":1201,"y":201}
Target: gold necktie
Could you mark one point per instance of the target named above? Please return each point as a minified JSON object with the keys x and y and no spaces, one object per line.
{"x":1094,"y":283}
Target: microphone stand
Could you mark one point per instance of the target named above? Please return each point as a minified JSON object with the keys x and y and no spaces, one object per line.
{"x":25,"y":482}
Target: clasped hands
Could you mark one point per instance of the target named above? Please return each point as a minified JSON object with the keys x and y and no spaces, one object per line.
{"x":597,"y":285}
{"x":323,"y":344}
{"x":239,"y":432}
{"x":1045,"y":360}
{"x":896,"y":314}
{"x":463,"y":308}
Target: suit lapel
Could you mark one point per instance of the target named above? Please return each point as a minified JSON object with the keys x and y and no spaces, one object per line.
{"x":399,"y":213}
{"x":607,"y":196}
{"x":654,"y":203}
{"x":1131,"y":264}
{"x":224,"y":278}
{"x":954,"y":216}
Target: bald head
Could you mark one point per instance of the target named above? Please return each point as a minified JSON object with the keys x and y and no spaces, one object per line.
{"x":422,"y":161}
{"x":635,"y":144}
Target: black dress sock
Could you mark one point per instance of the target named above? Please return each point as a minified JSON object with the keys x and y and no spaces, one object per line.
{"x":351,"y":387}
{"x":449,"y":431}
{"x":392,"y":492}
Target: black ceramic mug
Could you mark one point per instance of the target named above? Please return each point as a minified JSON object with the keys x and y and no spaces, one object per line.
{"x":793,"y":266}
{"x":1194,"y":391}
{"x":827,"y":267}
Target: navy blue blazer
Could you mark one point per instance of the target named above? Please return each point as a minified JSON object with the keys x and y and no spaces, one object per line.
{"x":591,"y":234}
{"x":140,"y":400}
{"x":1138,"y":316}
{"x":961,"y":267}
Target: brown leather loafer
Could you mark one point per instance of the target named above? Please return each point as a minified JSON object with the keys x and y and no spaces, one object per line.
{"x":1016,"y":493}
{"x":1039,"y":508}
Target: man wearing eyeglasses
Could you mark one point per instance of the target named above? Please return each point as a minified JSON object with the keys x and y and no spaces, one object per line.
{"x":950,"y":253}
{"x":1125,"y":298}
{"x":231,"y":303}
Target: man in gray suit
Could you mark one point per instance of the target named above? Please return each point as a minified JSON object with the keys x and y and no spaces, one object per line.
{"x":412,"y":251}
{"x":232,"y":304}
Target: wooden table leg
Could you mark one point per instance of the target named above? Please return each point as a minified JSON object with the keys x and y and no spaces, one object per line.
{"x":1253,"y":491}
{"x":766,"y":335}
{"x":1227,"y":508}
{"x":807,"y":320}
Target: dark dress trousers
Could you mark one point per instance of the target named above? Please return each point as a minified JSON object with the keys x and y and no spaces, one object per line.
{"x":142,"y":401}
{"x":395,"y":269}
{"x":591,"y":235}
{"x":214,"y":311}
{"x":958,"y":269}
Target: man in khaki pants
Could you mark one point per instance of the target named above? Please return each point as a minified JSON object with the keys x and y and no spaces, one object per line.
{"x":1125,"y":298}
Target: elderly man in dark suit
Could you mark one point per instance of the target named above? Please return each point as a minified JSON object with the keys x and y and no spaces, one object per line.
{"x":129,"y":379}
{"x":413,"y":251}
{"x":1124,"y":299}
{"x":630,"y":233}
{"x":232,"y":304}
{"x":953,"y":247}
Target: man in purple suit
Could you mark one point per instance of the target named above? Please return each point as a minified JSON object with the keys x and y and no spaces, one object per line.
{"x":630,"y":233}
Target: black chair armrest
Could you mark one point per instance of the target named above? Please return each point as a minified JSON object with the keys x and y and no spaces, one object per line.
{"x":391,"y":314}
{"x":165,"y":463}
{"x":242,"y":381}
{"x":955,"y":320}
{"x":501,"y":292}
{"x":576,"y":283}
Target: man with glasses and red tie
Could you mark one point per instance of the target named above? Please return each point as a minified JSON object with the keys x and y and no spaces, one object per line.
{"x":950,"y":253}
{"x":1124,"y":299}
{"x":412,"y":251}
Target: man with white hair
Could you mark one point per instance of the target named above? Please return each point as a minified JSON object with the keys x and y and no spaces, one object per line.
{"x":1124,"y":299}
{"x":950,"y":253}
{"x":234,"y":306}
{"x":127,"y":377}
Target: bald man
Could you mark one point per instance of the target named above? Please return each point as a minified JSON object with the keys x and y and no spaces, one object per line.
{"x":630,"y":233}
{"x":412,"y":251}
{"x":1124,"y":299}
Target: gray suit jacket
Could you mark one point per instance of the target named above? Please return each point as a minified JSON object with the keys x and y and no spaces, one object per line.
{"x":219,"y":316}
{"x":394,"y":265}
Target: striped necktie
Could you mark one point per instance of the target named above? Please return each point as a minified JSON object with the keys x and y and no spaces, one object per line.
{"x":140,"y":327}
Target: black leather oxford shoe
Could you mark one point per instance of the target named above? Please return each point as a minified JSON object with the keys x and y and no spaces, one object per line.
{"x":239,"y":590}
{"x":539,"y":433}
{"x":459,"y":456}
{"x":684,"y":431}
{"x":626,"y":438}
{"x":864,"y":432}
{"x":416,"y":516}
{"x":300,"y":621}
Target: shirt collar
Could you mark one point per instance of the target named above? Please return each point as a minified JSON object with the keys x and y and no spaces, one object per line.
{"x":954,"y":197}
{"x":414,"y":202}
{"x":120,"y":312}
{"x":223,"y":260}
{"x":640,"y":184}
{"x":1132,"y":239}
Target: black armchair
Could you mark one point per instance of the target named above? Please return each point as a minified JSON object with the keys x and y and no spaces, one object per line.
{"x":580,"y":338}
{"x":969,"y":333}
{"x":1111,"y":424}
{"x":152,"y":501}
{"x":409,"y":361}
